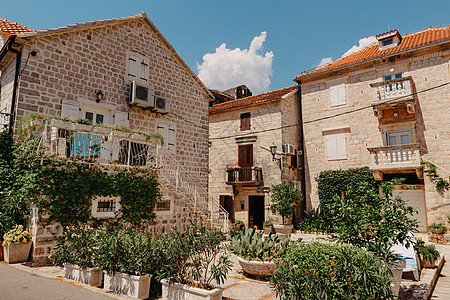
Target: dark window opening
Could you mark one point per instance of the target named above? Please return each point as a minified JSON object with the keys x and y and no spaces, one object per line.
{"x":163,"y":205}
{"x":106,"y":206}
{"x":388,"y":42}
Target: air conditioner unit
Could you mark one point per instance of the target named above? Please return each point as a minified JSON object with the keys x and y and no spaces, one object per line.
{"x":288,"y":149}
{"x":161,"y":105}
{"x":141,"y":94}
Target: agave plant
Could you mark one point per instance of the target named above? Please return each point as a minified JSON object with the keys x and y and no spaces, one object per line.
{"x":250,"y":244}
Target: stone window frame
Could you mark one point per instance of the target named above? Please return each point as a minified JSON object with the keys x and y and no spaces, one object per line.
{"x":166,"y":197}
{"x":105,"y":214}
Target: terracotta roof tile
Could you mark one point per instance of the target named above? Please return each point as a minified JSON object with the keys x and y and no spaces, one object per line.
{"x":410,"y":41}
{"x":252,"y":100}
{"x":13,"y":28}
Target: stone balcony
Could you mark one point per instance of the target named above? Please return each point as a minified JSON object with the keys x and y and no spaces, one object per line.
{"x":245,"y":176}
{"x":393,"y":159}
{"x":392,"y":93}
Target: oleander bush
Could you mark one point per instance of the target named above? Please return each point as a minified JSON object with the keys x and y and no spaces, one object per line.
{"x":327,"y":271}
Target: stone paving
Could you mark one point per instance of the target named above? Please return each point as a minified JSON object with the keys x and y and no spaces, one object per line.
{"x":242,"y":286}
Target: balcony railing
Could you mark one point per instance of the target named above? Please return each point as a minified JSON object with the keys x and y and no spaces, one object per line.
{"x":392,"y":89}
{"x":393,"y":157}
{"x":247,"y":176}
{"x":100,"y":144}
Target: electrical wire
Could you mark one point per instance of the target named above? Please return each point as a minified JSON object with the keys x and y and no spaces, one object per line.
{"x":331,"y":116}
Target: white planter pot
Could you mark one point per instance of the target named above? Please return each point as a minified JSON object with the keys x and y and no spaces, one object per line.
{"x":126,"y":284}
{"x":257,"y":268}
{"x":14,"y":253}
{"x":397,"y":271}
{"x":91,"y":276}
{"x":177,"y":291}
{"x":283,"y":229}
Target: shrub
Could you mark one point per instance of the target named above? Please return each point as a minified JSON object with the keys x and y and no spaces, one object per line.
{"x":197,"y":257}
{"x":437,"y":228}
{"x":16,"y":236}
{"x":284,"y":198}
{"x":426,"y":252}
{"x":267,"y":223}
{"x":239,"y":222}
{"x":325,"y":271}
{"x":252,"y":245}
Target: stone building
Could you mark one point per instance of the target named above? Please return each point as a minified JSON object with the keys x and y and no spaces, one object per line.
{"x":386,"y":107}
{"x":242,"y":168}
{"x":119,"y":72}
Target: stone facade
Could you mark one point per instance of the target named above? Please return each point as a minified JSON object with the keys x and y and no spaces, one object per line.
{"x":429,"y":125}
{"x":75,"y":64}
{"x":226,"y":136}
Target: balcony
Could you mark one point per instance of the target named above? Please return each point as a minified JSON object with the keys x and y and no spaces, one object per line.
{"x":393,"y":159}
{"x":391,"y":93}
{"x":103,"y":145}
{"x":245,"y":176}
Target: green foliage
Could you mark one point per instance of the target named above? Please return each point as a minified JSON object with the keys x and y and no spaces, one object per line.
{"x":426,"y":252}
{"x":430,"y":168}
{"x":313,"y":221}
{"x":442,"y":184}
{"x":252,"y":245}
{"x":267,"y":223}
{"x":16,"y":236}
{"x":197,"y":257}
{"x":437,"y":228}
{"x":324,"y":271}
{"x":284,"y":198}
{"x":239,"y":222}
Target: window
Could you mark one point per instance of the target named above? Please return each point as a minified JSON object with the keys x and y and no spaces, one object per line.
{"x":245,"y":162}
{"x":105,"y":207}
{"x":388,"y":42}
{"x":245,"y":121}
{"x":390,"y":77}
{"x":395,"y":138}
{"x":337,"y":94}
{"x":137,"y":68}
{"x":96,"y":114}
{"x":168,"y":132}
{"x":336,"y":146}
{"x":165,"y":205}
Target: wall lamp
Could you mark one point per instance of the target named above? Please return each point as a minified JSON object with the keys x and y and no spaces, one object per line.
{"x":273,"y":150}
{"x":99,"y":96}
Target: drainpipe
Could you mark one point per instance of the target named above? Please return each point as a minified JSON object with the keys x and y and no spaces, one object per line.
{"x":12,"y":115}
{"x":301,"y":174}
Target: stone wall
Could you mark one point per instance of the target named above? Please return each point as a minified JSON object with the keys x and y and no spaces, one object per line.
{"x":225,"y":136}
{"x":362,"y":128}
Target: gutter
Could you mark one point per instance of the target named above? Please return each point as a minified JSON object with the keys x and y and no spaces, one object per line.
{"x":8,"y":48}
{"x":369,"y":60}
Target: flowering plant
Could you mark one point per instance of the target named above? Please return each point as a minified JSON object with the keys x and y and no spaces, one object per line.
{"x":232,"y":168}
{"x":16,"y":236}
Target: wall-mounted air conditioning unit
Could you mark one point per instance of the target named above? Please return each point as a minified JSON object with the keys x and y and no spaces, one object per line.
{"x":161,"y":105}
{"x":141,"y":94}
{"x":288,"y":149}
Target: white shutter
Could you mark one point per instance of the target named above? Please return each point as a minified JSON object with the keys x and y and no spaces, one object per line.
{"x":331,"y":147}
{"x":143,"y":70}
{"x":334,"y":96}
{"x":341,"y":146}
{"x":133,"y":67}
{"x":71,"y":109}
{"x":121,"y":119}
{"x":172,"y":137}
{"x":162,"y":130}
{"x":341,"y":93}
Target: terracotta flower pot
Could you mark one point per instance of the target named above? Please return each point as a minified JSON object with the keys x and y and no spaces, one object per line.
{"x":14,"y":253}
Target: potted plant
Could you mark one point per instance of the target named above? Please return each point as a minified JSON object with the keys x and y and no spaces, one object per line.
{"x":75,"y":251}
{"x":284,"y":200}
{"x":124,"y":254}
{"x":436,"y":232}
{"x":427,"y":254}
{"x":16,"y":245}
{"x":197,"y":258}
{"x":238,"y":225}
{"x":256,"y":253}
{"x":268,"y":227}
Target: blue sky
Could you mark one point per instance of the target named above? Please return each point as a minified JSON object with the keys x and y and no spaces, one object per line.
{"x":298,"y":34}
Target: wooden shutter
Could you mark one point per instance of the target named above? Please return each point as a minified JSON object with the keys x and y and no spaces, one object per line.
{"x":334,"y":95}
{"x":121,"y":119}
{"x":331,"y":147}
{"x":245,"y":121}
{"x":341,"y":146}
{"x":71,"y":109}
{"x":245,"y":155}
{"x":341,"y":93}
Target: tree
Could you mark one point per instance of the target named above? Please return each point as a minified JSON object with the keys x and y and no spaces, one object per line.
{"x":284,"y":198}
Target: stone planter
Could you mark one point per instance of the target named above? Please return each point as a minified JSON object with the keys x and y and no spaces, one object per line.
{"x":397,"y":271}
{"x":268,"y":229}
{"x":91,"y":276}
{"x":14,"y":253}
{"x":126,"y":284}
{"x":439,"y":238}
{"x":428,"y":263}
{"x":283,"y":229}
{"x":257,"y":268}
{"x":177,"y":291}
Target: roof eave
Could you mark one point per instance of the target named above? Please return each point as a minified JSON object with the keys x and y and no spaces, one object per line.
{"x":299,"y":78}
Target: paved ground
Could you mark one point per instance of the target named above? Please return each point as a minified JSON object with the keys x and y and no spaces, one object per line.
{"x":18,"y":284}
{"x":21,"y":282}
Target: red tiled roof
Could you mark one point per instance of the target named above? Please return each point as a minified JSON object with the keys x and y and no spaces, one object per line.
{"x":13,"y":28}
{"x":410,"y":41}
{"x":252,"y":100}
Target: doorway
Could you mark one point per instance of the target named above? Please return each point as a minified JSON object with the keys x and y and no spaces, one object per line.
{"x":256,"y":211}
{"x":226,"y":201}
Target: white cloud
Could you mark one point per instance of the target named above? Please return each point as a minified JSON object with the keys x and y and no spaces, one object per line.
{"x":227,"y":68}
{"x":364,"y":42}
{"x":324,"y":61}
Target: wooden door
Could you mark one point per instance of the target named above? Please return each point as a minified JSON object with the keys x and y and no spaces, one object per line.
{"x":226,"y":201}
